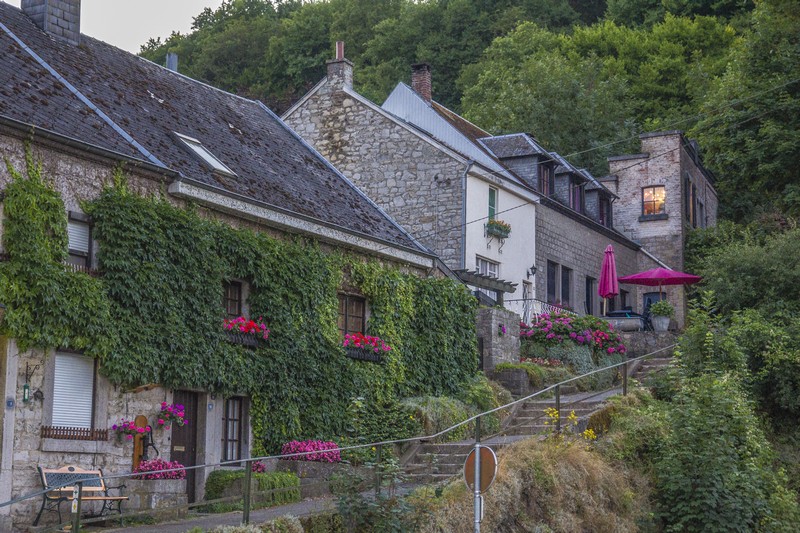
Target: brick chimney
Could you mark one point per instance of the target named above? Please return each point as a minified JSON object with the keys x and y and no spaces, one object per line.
{"x":421,"y":80}
{"x":59,"y":18}
{"x":340,"y":70}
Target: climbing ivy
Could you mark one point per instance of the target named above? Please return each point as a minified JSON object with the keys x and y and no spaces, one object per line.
{"x":155,"y":314}
{"x":48,"y":305}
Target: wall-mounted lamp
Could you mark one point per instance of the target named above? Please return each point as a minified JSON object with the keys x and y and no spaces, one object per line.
{"x":26,"y":388}
{"x":531,"y":272}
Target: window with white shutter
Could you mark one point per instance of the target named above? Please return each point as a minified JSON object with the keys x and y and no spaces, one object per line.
{"x":79,"y":234}
{"x":73,"y":391}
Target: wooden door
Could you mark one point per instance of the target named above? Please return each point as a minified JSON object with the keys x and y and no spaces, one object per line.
{"x":184,"y":439}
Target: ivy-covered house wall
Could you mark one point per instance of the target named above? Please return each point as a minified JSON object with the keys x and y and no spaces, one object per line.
{"x":152,"y":319}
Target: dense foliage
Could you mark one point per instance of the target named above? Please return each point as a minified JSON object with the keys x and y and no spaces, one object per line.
{"x":156,"y":316}
{"x":584,"y":77}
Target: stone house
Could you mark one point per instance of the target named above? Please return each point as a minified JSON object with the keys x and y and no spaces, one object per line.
{"x":569,"y":220}
{"x":664,"y":192}
{"x":421,"y":164}
{"x":84,"y":108}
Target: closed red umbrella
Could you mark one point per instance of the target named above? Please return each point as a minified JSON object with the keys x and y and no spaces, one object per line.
{"x":608,"y":286}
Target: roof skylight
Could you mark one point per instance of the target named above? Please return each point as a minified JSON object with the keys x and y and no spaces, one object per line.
{"x":205,"y":154}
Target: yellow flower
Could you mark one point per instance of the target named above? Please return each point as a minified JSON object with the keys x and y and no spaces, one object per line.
{"x":589,"y":434}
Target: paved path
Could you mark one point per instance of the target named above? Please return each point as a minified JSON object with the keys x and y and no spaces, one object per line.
{"x":210,"y":521}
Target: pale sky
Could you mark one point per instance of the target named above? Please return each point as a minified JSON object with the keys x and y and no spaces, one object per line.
{"x":128,"y":24}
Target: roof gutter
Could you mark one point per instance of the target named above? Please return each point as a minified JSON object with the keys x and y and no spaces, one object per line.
{"x":34,"y":131}
{"x":464,"y":213}
{"x":270,"y":215}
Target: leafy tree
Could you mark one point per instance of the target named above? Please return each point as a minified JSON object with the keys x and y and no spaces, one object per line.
{"x":594,"y":89}
{"x":751,"y":131}
{"x":635,"y":12}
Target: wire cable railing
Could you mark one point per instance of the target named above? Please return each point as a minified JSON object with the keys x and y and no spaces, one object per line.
{"x":247,"y":496}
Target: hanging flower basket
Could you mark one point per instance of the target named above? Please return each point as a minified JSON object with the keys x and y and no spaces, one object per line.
{"x":498,"y":228}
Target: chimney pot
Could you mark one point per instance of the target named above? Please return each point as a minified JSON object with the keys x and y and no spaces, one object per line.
{"x":421,"y":80}
{"x":172,"y":61}
{"x":340,"y":70}
{"x":60,"y":18}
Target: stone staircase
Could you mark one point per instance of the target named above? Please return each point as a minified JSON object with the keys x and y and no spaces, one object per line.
{"x":433,"y":462}
{"x":650,"y":366}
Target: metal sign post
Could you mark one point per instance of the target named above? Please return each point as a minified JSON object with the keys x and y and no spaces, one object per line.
{"x":477,"y":478}
{"x":480,"y":469}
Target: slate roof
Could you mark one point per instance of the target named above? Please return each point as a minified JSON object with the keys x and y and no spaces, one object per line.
{"x":513,"y":145}
{"x":148,"y":103}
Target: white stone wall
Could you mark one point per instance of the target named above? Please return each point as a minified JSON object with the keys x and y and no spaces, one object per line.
{"x":515,"y":254}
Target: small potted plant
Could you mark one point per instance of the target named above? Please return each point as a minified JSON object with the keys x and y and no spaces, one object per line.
{"x":498,"y":228}
{"x":661,"y":311}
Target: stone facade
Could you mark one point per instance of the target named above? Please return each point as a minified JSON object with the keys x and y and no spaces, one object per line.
{"x":414,"y":181}
{"x":498,"y":347}
{"x":570,"y":241}
{"x":79,"y":176}
{"x":61,"y":18}
{"x":667,"y":160}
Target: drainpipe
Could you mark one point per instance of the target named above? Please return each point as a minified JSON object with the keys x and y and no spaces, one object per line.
{"x":464,"y":213}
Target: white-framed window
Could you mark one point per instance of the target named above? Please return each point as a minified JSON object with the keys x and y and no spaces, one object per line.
{"x":73,"y":391}
{"x":233,"y":429}
{"x":492,"y":203}
{"x":205,"y":154}
{"x":487,"y":267}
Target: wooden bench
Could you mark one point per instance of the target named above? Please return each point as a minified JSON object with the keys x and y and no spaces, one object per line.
{"x":60,"y":484}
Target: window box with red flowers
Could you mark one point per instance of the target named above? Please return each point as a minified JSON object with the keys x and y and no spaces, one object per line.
{"x":245,"y":331}
{"x":365,"y":347}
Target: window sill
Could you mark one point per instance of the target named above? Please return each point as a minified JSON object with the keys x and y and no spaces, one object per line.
{"x":648,"y":218}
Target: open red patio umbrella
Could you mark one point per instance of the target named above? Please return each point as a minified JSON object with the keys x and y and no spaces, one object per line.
{"x":608,"y":286}
{"x":660,"y":276}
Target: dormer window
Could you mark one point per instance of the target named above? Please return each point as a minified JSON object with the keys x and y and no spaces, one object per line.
{"x":576,"y":194}
{"x":546,"y":179}
{"x":205,"y":154}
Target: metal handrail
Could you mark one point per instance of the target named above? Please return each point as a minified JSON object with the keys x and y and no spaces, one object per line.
{"x":379,"y":444}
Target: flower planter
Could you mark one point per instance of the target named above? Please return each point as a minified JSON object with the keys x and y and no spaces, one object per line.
{"x":166,"y":496}
{"x":660,"y":323}
{"x":497,"y":231}
{"x":244,"y":339}
{"x":363,"y":354}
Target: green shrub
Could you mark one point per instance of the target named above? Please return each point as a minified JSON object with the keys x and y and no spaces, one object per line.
{"x":283,"y":524}
{"x":323,"y":523}
{"x":280,"y":488}
{"x":441,"y":412}
{"x":483,"y":395}
{"x":577,"y":358}
{"x":538,"y":376}
{"x":714,"y":471}
{"x":376,"y":421}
